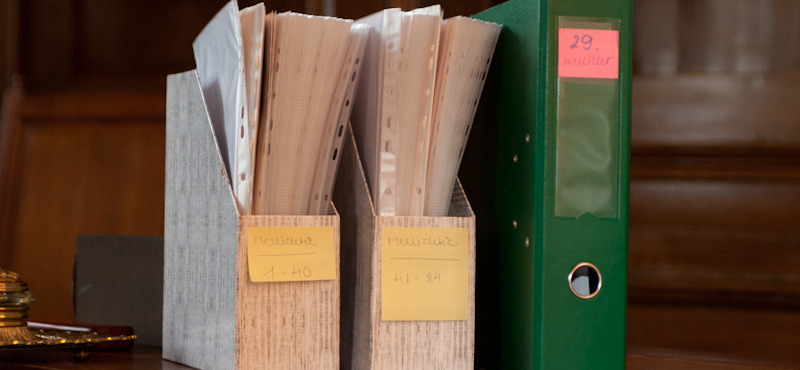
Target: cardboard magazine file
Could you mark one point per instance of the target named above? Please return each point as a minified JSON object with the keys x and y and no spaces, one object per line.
{"x":391,"y":297}
{"x":215,"y":317}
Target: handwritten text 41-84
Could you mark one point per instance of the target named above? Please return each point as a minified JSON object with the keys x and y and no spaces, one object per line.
{"x":433,"y":277}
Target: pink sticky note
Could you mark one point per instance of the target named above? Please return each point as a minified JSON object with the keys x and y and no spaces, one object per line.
{"x":588,"y":53}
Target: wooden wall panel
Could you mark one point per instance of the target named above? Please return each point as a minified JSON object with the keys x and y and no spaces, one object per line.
{"x":114,"y":45}
{"x":9,"y":42}
{"x":133,"y":45}
{"x":721,"y":242}
{"x":714,"y":219}
{"x":47,"y":43}
{"x":355,"y":9}
{"x":466,"y":8}
{"x":743,"y":111}
{"x":737,"y":35}
{"x":716,"y":333}
{"x":716,"y":36}
{"x":655,"y":36}
{"x":714,"y":254}
{"x":740,"y":206}
{"x":10,"y":138}
{"x":359,"y":8}
{"x":85,"y":168}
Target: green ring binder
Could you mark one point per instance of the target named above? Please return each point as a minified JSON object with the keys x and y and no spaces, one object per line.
{"x":563,"y":199}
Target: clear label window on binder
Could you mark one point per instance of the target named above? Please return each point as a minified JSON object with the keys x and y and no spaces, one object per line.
{"x":587,"y":155}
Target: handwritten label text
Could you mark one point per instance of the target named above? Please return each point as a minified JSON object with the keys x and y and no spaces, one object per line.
{"x":424,"y":273}
{"x":421,"y":241}
{"x":291,"y":253}
{"x":282,"y":240}
{"x":588,"y":53}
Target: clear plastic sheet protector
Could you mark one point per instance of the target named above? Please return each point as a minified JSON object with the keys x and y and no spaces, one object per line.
{"x":301,"y":93}
{"x":366,"y":114}
{"x":391,"y":120}
{"x":466,"y":48}
{"x":218,"y":53}
{"x":419,"y":50}
{"x":252,"y":21}
{"x":339,"y":118}
{"x":265,"y":125}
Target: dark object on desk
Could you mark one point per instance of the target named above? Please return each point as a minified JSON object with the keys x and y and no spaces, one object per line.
{"x":119,"y":281}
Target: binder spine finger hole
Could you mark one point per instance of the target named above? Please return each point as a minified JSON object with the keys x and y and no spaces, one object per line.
{"x":585,"y":280}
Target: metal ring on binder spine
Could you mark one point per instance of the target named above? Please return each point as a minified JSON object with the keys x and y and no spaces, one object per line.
{"x":591,"y":294}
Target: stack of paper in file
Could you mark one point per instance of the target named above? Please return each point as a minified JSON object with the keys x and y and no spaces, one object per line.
{"x":466,"y":49}
{"x":422,"y":80}
{"x":280,"y":142}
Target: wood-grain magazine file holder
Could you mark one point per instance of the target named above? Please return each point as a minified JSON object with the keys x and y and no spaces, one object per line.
{"x":214,"y":316}
{"x":367,"y":342}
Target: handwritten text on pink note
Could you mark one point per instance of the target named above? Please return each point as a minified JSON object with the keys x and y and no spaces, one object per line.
{"x":588,"y":53}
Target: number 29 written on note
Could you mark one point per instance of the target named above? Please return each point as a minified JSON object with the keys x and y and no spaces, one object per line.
{"x":585,"y":40}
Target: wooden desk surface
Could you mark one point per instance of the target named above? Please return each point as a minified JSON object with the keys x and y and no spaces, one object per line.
{"x":149,"y":358}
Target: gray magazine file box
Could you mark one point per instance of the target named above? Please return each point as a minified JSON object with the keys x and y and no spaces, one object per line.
{"x":214,"y":316}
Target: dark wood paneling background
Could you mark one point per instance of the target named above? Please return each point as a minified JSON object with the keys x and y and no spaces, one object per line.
{"x":84,"y":163}
{"x":715,"y":180}
{"x":715,"y":170}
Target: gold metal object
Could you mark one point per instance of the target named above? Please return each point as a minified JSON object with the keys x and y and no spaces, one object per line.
{"x":14,"y":301}
{"x":14,"y":332}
